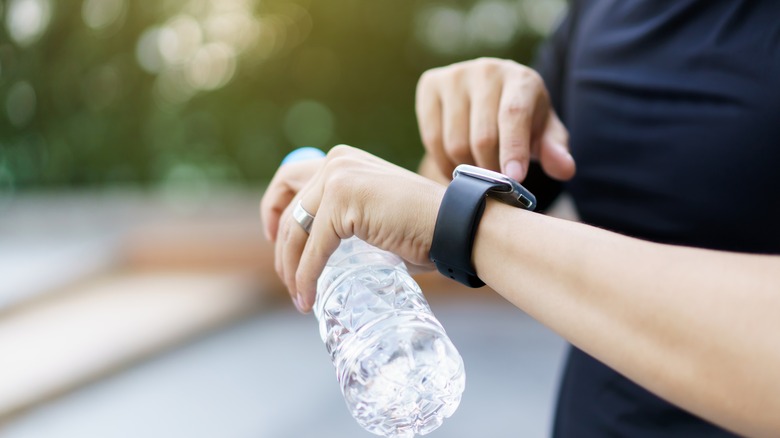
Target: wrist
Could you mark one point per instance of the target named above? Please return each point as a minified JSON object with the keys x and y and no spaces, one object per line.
{"x":460,"y":214}
{"x":497,"y":235}
{"x":431,"y":211}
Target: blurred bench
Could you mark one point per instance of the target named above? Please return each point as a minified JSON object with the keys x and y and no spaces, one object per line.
{"x":90,"y":282}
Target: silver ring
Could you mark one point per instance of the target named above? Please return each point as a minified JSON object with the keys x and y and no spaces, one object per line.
{"x":303,"y":217}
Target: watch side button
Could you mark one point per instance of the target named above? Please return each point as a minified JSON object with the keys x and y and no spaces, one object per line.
{"x":526,"y":203}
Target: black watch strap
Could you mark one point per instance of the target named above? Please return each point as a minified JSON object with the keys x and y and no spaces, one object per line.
{"x":456,"y":225}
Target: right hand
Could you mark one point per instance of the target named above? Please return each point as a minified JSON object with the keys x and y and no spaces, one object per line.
{"x":493,"y":113}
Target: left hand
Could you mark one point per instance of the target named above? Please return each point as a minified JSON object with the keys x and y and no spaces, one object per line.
{"x":494,"y":113}
{"x":352,"y":193}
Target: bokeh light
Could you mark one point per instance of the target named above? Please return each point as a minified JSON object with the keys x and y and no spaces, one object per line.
{"x":182,"y":40}
{"x":492,"y":24}
{"x":149,"y":51}
{"x":101,"y":15}
{"x":26,"y":20}
{"x":111,"y":91}
{"x":197,"y":49}
{"x":20,"y":103}
{"x":211,"y":67}
{"x":441,"y":29}
{"x":486,"y":26}
{"x":542,"y":16}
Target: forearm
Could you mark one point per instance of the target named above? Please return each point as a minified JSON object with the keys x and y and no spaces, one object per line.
{"x":699,"y":328}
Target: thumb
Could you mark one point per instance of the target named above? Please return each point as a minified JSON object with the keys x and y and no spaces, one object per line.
{"x":554,"y":155}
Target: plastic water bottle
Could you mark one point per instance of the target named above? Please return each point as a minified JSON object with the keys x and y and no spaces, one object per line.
{"x":399,"y":372}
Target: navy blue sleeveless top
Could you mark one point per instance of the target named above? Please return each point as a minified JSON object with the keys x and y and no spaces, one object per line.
{"x":674,"y":113}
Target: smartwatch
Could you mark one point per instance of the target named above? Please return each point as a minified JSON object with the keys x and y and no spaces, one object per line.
{"x":459,"y":215}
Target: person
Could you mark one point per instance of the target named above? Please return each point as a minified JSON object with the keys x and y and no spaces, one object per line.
{"x":670,"y":288}
{"x":672,"y":109}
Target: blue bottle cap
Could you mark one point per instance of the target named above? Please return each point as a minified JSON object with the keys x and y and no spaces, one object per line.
{"x":303,"y":154}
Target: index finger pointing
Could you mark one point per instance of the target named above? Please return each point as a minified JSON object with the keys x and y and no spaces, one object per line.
{"x":514,"y":131}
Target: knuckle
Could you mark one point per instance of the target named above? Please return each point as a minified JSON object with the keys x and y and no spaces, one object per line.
{"x":337,"y":163}
{"x":515,"y":148}
{"x":338,"y":166}
{"x":340,"y":151}
{"x":488,"y":66}
{"x":340,"y":179}
{"x":531,"y":79}
{"x":431,"y":138}
{"x":456,"y":143}
{"x":427,"y":78}
{"x":534,"y":77}
{"x":452,"y":76}
{"x":485,"y":142}
{"x":339,"y":183}
{"x":515,"y":108}
{"x":458,"y":150}
{"x":447,"y":83}
{"x":433,"y":81}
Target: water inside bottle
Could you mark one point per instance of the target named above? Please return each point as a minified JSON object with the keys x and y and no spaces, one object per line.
{"x":398,"y":370}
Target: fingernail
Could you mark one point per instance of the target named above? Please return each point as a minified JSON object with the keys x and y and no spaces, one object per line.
{"x":305,"y":307}
{"x":301,"y":304}
{"x":297,"y":302}
{"x":514,"y":170}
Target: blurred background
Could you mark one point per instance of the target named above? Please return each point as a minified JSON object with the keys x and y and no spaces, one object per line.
{"x":137,"y":296}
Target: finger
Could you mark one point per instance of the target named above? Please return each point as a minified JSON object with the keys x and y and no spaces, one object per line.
{"x":322,"y":242}
{"x":276,"y":198}
{"x":554,"y":154}
{"x":484,"y":127}
{"x":288,"y":181}
{"x":289,"y":231}
{"x":429,"y":120}
{"x":514,"y":128}
{"x":285,"y":227}
{"x":292,"y":247}
{"x":455,"y":123}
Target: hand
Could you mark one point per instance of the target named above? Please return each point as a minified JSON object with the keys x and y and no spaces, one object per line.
{"x":493,"y":113}
{"x":350,"y":193}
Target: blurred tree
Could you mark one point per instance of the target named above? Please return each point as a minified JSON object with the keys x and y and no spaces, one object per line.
{"x":104,"y":92}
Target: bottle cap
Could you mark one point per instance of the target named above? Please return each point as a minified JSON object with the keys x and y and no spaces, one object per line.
{"x":303,"y":154}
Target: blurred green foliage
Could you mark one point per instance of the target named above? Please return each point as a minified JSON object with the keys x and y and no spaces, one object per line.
{"x":111,"y":92}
